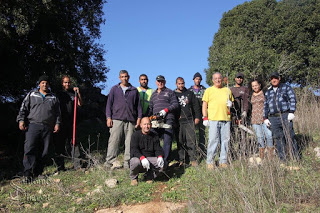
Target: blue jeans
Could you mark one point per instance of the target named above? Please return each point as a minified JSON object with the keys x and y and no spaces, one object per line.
{"x":262,"y":132}
{"x":219,"y":132}
{"x":282,"y":131}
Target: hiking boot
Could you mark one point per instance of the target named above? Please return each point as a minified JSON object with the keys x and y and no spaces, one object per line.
{"x":261,"y":153}
{"x":223,"y":165}
{"x":134,"y":182}
{"x":194,"y":163}
{"x":116,"y":165}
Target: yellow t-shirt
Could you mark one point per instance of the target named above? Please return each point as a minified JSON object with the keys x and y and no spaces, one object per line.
{"x":217,"y":103}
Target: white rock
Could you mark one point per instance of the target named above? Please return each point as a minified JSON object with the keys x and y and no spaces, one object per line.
{"x":111,"y":183}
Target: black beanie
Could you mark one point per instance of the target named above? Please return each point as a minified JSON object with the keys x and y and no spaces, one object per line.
{"x":43,"y":78}
{"x":197,"y":75}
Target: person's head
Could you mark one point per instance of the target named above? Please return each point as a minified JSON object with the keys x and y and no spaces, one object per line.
{"x":217,"y":79}
{"x":256,"y":85}
{"x":197,"y":78}
{"x":239,"y":79}
{"x":43,"y":83}
{"x":160,"y":82}
{"x":124,"y":77}
{"x":180,"y":84}
{"x":275,"y":79}
{"x":143,"y":80}
{"x":66,"y":83}
{"x":145,"y":125}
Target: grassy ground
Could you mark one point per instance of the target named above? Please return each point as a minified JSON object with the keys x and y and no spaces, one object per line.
{"x":241,"y":187}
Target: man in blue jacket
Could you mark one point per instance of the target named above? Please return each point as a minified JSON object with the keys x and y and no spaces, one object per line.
{"x":279,"y":108}
{"x":164,"y":102}
{"x":123,"y":114}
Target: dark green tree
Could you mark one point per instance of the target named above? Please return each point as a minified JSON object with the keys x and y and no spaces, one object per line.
{"x":55,"y":37}
{"x":263,"y":36}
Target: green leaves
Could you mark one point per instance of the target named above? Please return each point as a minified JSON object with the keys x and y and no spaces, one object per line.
{"x":263,"y":36}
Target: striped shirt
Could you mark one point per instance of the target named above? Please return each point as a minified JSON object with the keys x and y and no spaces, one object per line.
{"x":165,"y":99}
{"x":282,"y":100}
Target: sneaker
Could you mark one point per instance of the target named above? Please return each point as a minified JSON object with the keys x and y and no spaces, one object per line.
{"x":210,"y":167}
{"x":134,"y":182}
{"x":194,"y":163}
{"x":223,"y":165}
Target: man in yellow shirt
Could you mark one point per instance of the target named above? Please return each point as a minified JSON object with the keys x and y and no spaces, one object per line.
{"x":217,"y":101}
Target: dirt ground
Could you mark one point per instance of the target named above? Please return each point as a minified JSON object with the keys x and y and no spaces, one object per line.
{"x":155,"y":206}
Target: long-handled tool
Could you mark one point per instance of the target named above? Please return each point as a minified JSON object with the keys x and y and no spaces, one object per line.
{"x":74,"y":123}
{"x":228,"y":93}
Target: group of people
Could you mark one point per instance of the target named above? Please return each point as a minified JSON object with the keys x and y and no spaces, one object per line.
{"x":128,"y":112}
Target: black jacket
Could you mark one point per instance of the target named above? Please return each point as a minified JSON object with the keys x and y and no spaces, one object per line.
{"x":189,"y":106}
{"x":145,"y":145}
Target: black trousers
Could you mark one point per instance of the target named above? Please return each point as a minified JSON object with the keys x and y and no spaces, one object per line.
{"x":36,"y":146}
{"x":187,"y":141}
{"x":63,"y":147}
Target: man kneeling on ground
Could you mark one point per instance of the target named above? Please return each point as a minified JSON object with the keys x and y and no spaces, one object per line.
{"x":146,"y":153}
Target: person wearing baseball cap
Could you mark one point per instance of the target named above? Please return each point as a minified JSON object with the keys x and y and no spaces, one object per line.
{"x":279,"y":107}
{"x":164,"y":102}
{"x":239,"y":111}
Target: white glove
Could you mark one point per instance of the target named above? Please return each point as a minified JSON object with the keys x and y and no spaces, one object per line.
{"x":267,"y":122}
{"x":206,"y":122}
{"x":244,"y":114}
{"x":160,"y":162}
{"x":229,"y":103}
{"x":145,"y":163}
{"x":162,"y":113}
{"x":290,"y":116}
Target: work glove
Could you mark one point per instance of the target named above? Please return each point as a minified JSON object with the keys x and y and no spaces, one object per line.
{"x":290,"y":116}
{"x":145,"y":163}
{"x":267,"y":122}
{"x":163,"y":112}
{"x":160,"y":162}
{"x":244,"y":114}
{"x":229,"y":103}
{"x":205,"y":121}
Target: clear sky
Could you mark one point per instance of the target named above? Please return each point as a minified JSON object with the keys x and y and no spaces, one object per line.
{"x":168,"y":37}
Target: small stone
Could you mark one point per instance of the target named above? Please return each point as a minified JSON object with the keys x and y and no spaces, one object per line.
{"x":79,"y":200}
{"x":45,"y":205}
{"x":56,"y":180}
{"x":111,"y":183}
{"x":40,"y":191}
{"x":27,"y":205}
{"x":86,"y":172}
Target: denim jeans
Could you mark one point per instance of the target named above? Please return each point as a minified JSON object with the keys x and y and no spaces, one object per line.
{"x":219,"y":132}
{"x":262,"y":132}
{"x":282,"y":131}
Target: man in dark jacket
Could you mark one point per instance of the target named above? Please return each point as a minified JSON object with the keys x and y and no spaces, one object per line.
{"x":188,"y":117}
{"x":198,"y":91}
{"x":63,"y":140}
{"x":39,"y":117}
{"x":123,"y":114}
{"x":146,"y":153}
{"x":164,"y":102}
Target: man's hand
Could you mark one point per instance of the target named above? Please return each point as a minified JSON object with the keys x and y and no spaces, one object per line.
{"x":196,"y":121}
{"x":229,"y":103}
{"x":160,"y":162}
{"x":109,"y":122}
{"x":56,"y":128}
{"x":244,"y":114}
{"x":291,"y":116}
{"x":267,"y":122}
{"x":22,"y":126}
{"x":138,"y":123}
{"x":76,"y":89}
{"x":145,"y":163}
{"x":163,"y":112}
{"x":205,"y":121}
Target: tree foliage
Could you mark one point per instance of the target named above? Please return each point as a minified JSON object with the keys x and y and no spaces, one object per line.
{"x":55,"y":37}
{"x":263,"y":36}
